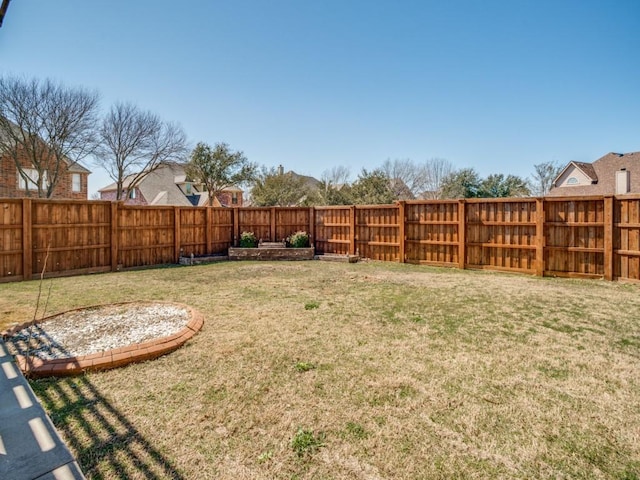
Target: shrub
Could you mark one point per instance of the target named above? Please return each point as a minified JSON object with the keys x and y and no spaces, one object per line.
{"x":248,"y":240}
{"x":299,"y":239}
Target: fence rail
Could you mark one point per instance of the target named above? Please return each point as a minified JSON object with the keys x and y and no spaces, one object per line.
{"x":589,"y":237}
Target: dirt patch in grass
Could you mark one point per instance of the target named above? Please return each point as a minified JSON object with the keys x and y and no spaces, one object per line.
{"x":396,"y":371}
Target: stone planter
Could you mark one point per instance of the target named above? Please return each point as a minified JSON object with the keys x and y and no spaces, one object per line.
{"x":280,"y":253}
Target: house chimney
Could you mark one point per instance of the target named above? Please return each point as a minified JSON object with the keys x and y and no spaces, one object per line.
{"x":623,"y":183}
{"x":280,"y":170}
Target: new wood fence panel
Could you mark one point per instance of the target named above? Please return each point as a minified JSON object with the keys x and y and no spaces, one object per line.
{"x":501,"y":234}
{"x":431,"y":231}
{"x":626,"y":239}
{"x":377,"y":232}
{"x":146,"y":236}
{"x":333,"y":230}
{"x":574,"y":237}
{"x":256,"y":220}
{"x":11,"y":240}
{"x":193,"y":231}
{"x":290,"y":220}
{"x":221,"y":226}
{"x":70,"y":236}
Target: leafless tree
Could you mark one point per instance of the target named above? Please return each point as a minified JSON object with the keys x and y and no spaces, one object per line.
{"x":436,"y":170}
{"x":133,"y":143}
{"x":543,"y":176}
{"x":336,"y":176}
{"x":406,"y":177}
{"x":45,"y":127}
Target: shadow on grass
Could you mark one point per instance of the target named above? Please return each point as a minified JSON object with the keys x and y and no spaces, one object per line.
{"x":105,"y":442}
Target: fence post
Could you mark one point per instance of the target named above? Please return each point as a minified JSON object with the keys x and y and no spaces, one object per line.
{"x":609,"y":204}
{"x":401,"y":233}
{"x":352,"y":230}
{"x":462,"y":234}
{"x":312,"y":227}
{"x":540,"y":237}
{"x":114,"y":236}
{"x":27,"y":240}
{"x":176,"y":233}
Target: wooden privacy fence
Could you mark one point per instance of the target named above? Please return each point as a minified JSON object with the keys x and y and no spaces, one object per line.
{"x":592,"y":237}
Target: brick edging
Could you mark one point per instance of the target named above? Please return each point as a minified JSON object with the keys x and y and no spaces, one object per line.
{"x":119,"y":357}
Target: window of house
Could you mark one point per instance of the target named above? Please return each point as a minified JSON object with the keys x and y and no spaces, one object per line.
{"x":76,"y":182}
{"x":132,"y":194}
{"x":188,"y":188}
{"x":32,"y":182}
{"x":234,"y":198}
{"x":572,"y":181}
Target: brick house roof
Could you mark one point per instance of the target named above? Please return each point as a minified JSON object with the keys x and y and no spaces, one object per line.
{"x":602,"y":173}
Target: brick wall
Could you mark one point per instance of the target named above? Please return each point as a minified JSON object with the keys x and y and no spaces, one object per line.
{"x":64,"y":188}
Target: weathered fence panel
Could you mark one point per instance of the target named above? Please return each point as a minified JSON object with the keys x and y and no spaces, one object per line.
{"x":432,"y":234}
{"x":70,"y":236}
{"x":290,"y":220}
{"x":377,"y":232}
{"x":193,"y":231}
{"x":501,"y":234}
{"x":221,"y":234}
{"x":11,"y":240}
{"x":574,"y":236}
{"x":258,"y":221}
{"x":333,"y":230}
{"x":626,"y":242}
{"x":147,"y":236}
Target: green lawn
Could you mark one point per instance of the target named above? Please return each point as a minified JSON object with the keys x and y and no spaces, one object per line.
{"x":358,"y":371}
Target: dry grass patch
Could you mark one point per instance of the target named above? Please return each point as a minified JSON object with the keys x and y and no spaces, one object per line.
{"x":363,"y":371}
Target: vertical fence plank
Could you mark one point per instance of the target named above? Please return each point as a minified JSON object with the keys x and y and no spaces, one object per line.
{"x":27,"y":248}
{"x":462,"y":234}
{"x":352,"y":230}
{"x":540,"y":237}
{"x":236,"y":226}
{"x":608,"y":238}
{"x":272,"y":221}
{"x":207,"y":231}
{"x":114,"y":236}
{"x":402,"y":237}
{"x":312,"y":226}
{"x":176,"y":234}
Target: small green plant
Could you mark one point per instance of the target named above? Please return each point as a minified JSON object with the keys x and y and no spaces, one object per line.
{"x":356,"y":430}
{"x":311,"y":305}
{"x":264,"y":456}
{"x":304,"y":366}
{"x":299,"y":239}
{"x":305,"y":442}
{"x":248,"y":240}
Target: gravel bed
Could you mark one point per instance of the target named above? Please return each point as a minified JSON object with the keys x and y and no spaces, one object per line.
{"x":97,"y":329}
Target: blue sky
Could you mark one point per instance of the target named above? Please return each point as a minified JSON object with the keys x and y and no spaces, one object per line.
{"x":494,"y":85}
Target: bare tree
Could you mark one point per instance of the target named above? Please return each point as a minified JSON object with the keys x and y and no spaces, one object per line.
{"x":133,"y":143}
{"x":543,"y":176}
{"x":436,"y":170}
{"x":336,"y":176}
{"x":45,"y":127}
{"x":407,"y":179}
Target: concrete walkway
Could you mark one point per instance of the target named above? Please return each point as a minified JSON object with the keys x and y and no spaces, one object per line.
{"x":30,"y":447}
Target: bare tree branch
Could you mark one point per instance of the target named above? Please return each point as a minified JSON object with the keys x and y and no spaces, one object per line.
{"x":133,"y":143}
{"x":45,"y":126}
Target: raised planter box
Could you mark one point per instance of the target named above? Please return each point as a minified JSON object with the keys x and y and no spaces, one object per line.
{"x":280,"y":253}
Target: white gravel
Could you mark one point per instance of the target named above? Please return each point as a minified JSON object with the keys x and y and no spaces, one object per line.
{"x":98,"y":329}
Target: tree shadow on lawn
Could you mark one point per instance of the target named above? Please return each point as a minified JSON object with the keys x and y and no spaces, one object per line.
{"x":106,"y":443}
